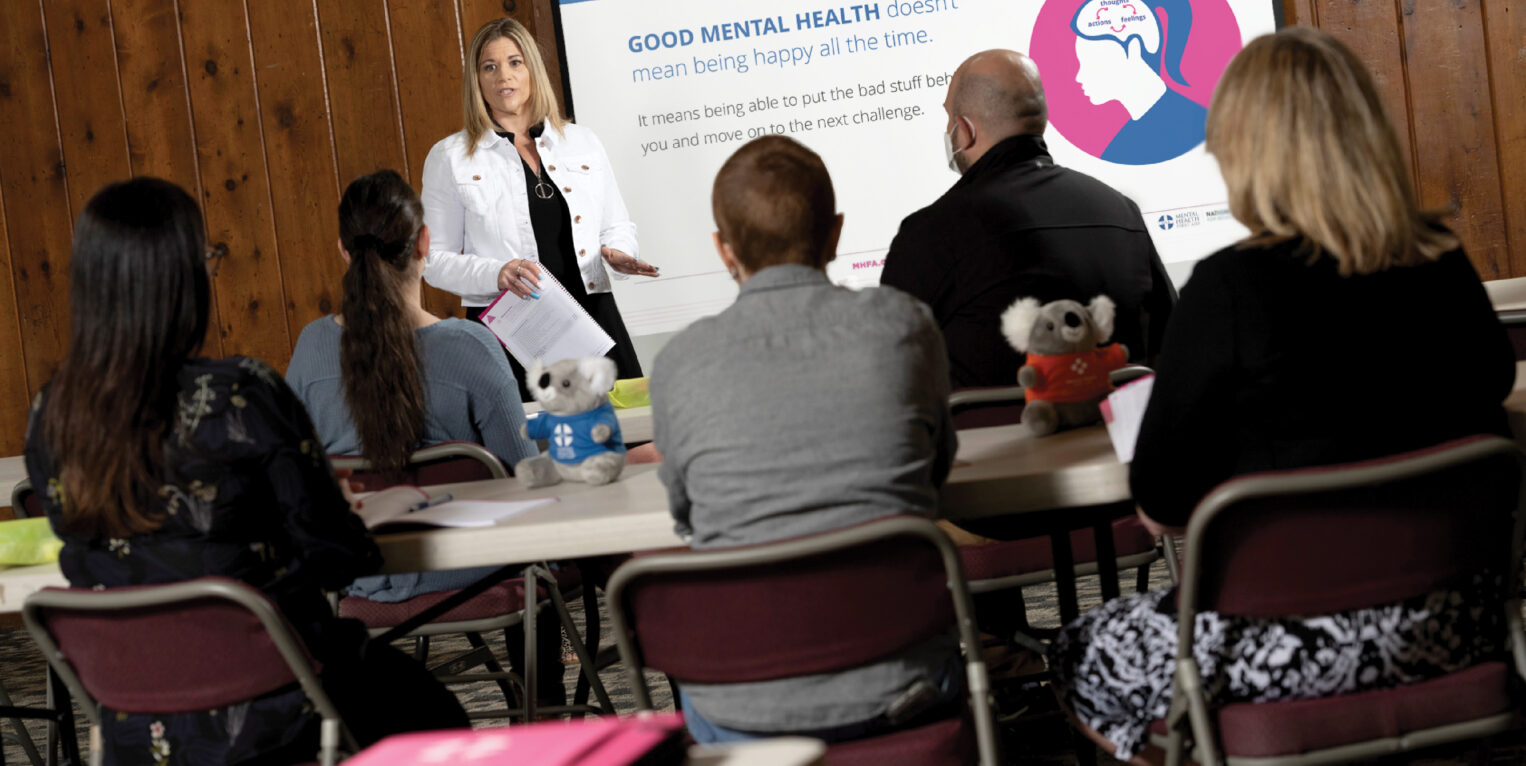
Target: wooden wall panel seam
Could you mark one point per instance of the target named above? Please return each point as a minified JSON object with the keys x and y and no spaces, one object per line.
{"x":259,"y":127}
{"x":26,"y":376}
{"x":328,"y":106}
{"x":1500,"y":152}
{"x":116,"y":67}
{"x":397,"y":96}
{"x":214,"y":312}
{"x":185,"y":75}
{"x":1409,"y":101}
{"x":58,"y":130}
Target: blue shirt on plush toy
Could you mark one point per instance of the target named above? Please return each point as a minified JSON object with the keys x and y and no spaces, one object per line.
{"x":569,"y":435}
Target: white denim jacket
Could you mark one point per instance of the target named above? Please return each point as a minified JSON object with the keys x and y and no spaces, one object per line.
{"x":477,"y":210}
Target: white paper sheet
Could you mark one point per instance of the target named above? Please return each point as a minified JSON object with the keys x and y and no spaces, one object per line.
{"x":550,"y":328}
{"x":1123,"y":411}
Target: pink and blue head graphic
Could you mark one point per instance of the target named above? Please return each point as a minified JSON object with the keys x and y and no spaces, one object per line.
{"x":1128,"y":81}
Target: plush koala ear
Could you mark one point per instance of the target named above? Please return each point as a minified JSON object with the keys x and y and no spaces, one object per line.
{"x":599,"y":371}
{"x":1017,"y":322}
{"x":537,"y":368}
{"x":1102,"y":310}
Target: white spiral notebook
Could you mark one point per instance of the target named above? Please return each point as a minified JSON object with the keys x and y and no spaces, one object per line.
{"x":550,"y":328}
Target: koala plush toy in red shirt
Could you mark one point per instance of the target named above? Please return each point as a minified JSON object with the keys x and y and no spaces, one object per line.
{"x":1066,"y":374}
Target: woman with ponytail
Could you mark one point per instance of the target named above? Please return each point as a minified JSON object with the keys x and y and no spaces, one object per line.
{"x":385,"y":377}
{"x":156,"y":466}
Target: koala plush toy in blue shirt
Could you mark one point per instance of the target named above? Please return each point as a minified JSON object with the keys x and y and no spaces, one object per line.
{"x":577,"y":421}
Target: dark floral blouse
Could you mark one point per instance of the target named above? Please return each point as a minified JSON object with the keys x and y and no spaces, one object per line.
{"x":248,"y":493}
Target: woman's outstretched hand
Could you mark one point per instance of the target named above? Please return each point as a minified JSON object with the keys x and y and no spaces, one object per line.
{"x":625,"y":264}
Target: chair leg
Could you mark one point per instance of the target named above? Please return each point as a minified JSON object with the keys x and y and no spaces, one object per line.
{"x":591,"y":631}
{"x":509,"y":692}
{"x":62,"y":739}
{"x":23,"y":739}
{"x":1142,"y":578}
{"x":589,"y":666}
{"x":421,"y":649}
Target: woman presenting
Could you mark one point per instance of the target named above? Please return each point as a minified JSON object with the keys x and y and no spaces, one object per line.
{"x":521,"y":193}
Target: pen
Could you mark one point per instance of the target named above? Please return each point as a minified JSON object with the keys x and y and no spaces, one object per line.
{"x":431,"y":502}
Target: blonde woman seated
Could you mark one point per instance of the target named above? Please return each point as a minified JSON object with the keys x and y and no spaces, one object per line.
{"x":1282,"y":354}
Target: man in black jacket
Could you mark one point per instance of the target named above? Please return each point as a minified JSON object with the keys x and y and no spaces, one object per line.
{"x":1016,"y":225}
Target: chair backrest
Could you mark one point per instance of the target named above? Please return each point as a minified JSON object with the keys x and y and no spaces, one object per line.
{"x":1003,"y":405}
{"x":445,"y":463}
{"x":988,"y":406}
{"x":1321,"y":540}
{"x":796,"y":607}
{"x":1515,"y":327}
{"x":187,"y":646}
{"x":26,"y":503}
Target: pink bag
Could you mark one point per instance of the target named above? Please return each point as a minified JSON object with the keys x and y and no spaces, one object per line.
{"x":654,"y":740}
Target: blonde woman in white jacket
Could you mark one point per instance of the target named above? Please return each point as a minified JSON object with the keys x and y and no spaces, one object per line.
{"x":521,"y":192}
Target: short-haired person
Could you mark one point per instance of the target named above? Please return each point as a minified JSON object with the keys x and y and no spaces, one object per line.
{"x":1279,"y":356}
{"x":520,"y":190}
{"x":802,"y":408}
{"x":1018,"y":225}
{"x":157,"y":466}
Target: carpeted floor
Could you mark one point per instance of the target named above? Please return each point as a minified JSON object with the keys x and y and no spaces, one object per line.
{"x":1040,"y":737}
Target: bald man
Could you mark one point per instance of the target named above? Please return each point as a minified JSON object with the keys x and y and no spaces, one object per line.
{"x":1017,"y":225}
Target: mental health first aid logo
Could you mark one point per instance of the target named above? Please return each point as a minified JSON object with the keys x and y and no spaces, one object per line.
{"x":1129,"y":81}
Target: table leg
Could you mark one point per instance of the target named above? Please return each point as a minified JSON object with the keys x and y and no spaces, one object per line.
{"x":1065,"y":576}
{"x":531,"y":604}
{"x":1107,"y":558}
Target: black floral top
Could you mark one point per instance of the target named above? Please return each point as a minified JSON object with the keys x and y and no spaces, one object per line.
{"x":248,"y":494}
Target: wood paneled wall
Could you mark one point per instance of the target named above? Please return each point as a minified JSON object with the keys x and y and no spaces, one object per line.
{"x":264,"y":109}
{"x":1453,"y":76}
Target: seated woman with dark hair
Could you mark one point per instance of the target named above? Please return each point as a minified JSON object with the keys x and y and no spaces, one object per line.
{"x":384,"y":377}
{"x":155,"y":466}
{"x":1295,"y":348}
{"x":803,"y":408}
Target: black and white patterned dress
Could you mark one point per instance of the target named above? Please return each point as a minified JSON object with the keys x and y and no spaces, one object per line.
{"x":1113,"y":666}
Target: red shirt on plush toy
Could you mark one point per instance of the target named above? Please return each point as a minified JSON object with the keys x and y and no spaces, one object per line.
{"x":1065,"y":376}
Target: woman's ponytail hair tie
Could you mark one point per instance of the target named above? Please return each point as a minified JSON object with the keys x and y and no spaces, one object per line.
{"x":374,"y":244}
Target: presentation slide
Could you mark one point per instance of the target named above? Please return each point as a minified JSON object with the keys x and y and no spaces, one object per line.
{"x":673,"y":87}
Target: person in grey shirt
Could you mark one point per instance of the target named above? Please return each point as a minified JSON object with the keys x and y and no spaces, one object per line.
{"x":802,"y":408}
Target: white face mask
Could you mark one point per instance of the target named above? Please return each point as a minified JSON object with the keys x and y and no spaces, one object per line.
{"x":949,"y":151}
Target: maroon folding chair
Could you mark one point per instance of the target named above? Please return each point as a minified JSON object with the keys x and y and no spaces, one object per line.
{"x":500,"y":608}
{"x":25,"y":503}
{"x":444,"y":463}
{"x":184,"y":647}
{"x":803,"y":606}
{"x":1332,"y":539}
{"x":1515,"y":327}
{"x":1012,"y":564}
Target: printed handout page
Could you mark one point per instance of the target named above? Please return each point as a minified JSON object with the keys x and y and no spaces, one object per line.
{"x":1123,"y":411}
{"x":550,"y":328}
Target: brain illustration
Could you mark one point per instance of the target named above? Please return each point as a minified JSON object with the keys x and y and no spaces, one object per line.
{"x":1119,"y":20}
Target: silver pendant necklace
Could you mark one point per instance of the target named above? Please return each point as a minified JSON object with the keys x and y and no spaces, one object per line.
{"x":543,"y":189}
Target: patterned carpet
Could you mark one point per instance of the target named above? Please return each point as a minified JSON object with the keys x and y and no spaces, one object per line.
{"x":1040,"y":737}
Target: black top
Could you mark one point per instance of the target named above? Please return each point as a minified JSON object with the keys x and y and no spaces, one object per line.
{"x":247,"y":494}
{"x":1014,"y":226}
{"x":1272,"y":362}
{"x":552,"y":223}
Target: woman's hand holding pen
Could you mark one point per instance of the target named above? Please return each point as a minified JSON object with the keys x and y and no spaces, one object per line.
{"x":520,"y":277}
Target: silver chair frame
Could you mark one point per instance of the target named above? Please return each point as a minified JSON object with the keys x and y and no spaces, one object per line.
{"x":332,"y":728}
{"x":437,"y":452}
{"x":474,"y":628}
{"x":1189,"y":702}
{"x":816,"y":545}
